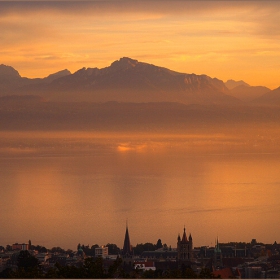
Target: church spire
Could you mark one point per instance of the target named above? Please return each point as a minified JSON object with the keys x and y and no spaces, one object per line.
{"x":126,"y":245}
{"x":184,"y":238}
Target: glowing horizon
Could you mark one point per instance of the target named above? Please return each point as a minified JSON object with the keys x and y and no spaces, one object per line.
{"x":224,"y":39}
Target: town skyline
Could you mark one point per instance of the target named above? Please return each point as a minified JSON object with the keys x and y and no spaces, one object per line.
{"x":146,"y":260}
{"x":128,"y":240}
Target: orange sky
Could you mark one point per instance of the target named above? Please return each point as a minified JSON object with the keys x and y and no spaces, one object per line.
{"x":237,"y":40}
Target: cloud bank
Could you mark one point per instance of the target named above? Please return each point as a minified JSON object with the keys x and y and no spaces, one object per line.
{"x":226,"y":39}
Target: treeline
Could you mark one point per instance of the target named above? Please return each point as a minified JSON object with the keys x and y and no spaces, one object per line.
{"x":28,"y":267}
{"x":113,"y":249}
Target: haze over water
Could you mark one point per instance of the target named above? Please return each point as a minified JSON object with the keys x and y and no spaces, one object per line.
{"x":65,"y":188}
{"x":73,"y":170}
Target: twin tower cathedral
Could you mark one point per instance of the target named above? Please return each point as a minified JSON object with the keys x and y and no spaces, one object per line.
{"x":184,"y":247}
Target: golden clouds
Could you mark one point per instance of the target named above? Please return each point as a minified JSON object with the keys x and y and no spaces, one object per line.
{"x":222,"y":39}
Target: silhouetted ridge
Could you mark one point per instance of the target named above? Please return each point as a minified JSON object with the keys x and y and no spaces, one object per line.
{"x":248,"y":93}
{"x":22,"y":98}
{"x":8,"y":71}
{"x":58,"y":74}
{"x":128,"y":80}
{"x":124,"y":63}
{"x":230,"y":84}
{"x":271,"y":98}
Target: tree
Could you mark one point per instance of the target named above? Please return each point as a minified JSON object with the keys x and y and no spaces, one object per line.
{"x":27,"y":261}
{"x":205,"y":273}
{"x":94,"y":246}
{"x":159,"y":244}
{"x":69,"y":251}
{"x":172,"y":274}
{"x":43,"y":250}
{"x":188,"y":273}
{"x":28,"y":267}
{"x":140,"y":248}
{"x":116,"y":269}
{"x":66,"y":272}
{"x":113,"y":249}
{"x":57,"y":249}
{"x":93,"y":268}
{"x":149,"y":274}
{"x":87,"y":250}
{"x":8,"y":248}
{"x":6,"y":273}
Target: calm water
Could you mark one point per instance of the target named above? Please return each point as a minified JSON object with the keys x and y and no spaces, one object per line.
{"x":61,"y":190}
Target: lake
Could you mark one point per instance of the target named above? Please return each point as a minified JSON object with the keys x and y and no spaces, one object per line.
{"x":65,"y":188}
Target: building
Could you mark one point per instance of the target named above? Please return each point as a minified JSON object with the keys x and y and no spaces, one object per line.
{"x":161,"y":254}
{"x":272,"y":274}
{"x":42,"y":257}
{"x":101,"y":251}
{"x":184,"y":247}
{"x":21,"y":247}
{"x":144,"y":265}
{"x":227,"y":273}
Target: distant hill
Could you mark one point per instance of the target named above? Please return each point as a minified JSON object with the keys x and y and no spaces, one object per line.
{"x":11,"y":83}
{"x":230,"y":84}
{"x":248,"y":93}
{"x":21,"y":98}
{"x":8,"y":72}
{"x":10,"y":79}
{"x":127,"y":80}
{"x":271,"y":98}
{"x":33,"y":114}
{"x":57,"y":75}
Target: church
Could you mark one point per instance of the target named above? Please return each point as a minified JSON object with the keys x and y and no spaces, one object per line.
{"x":185,"y":247}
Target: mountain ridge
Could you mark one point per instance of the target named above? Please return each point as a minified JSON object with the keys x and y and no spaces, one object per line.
{"x":270,"y":98}
{"x":248,"y":93}
{"x":128,"y":80}
{"x":231,"y":84}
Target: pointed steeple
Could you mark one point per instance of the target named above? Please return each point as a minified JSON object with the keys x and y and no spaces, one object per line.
{"x":217,"y":246}
{"x":218,"y":258}
{"x":184,"y":238}
{"x":178,"y":238}
{"x":126,"y":245}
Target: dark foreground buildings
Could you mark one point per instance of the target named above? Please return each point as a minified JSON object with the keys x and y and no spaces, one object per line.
{"x":230,"y":260}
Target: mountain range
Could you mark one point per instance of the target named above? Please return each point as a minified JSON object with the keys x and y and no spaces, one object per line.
{"x":128,"y":80}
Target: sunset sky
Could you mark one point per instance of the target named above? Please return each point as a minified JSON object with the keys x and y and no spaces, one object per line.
{"x":237,"y":40}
